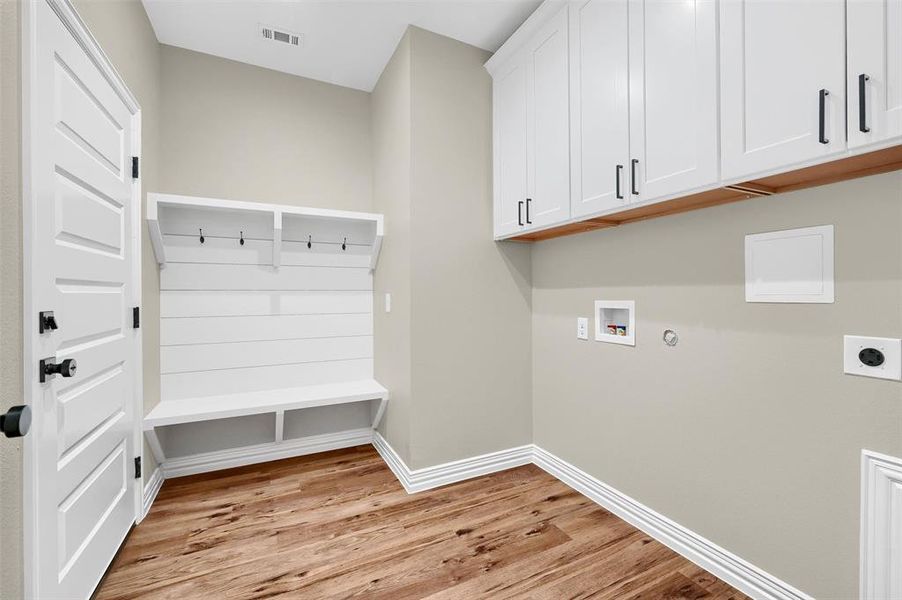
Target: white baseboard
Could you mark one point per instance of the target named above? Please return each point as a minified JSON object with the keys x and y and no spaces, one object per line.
{"x":740,"y":574}
{"x":151,"y":489}
{"x":419,"y":480}
{"x":881,"y":507}
{"x":745,"y":577}
{"x":239,"y":457}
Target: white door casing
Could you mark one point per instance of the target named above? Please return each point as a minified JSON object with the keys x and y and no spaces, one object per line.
{"x":775,"y":58}
{"x":81,"y":127}
{"x":874,"y":51}
{"x":599,"y":106}
{"x":672,"y":97}
{"x":548,"y":124}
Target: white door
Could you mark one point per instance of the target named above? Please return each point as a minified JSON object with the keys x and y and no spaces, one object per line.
{"x":673,"y":97}
{"x":548,"y":124}
{"x":80,"y":264}
{"x":783,"y":83}
{"x":509,"y":102}
{"x":599,"y":106}
{"x":875,"y":71}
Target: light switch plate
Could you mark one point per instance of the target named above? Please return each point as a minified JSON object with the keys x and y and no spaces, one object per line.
{"x":387,"y":302}
{"x":890,"y":347}
{"x":582,"y":328}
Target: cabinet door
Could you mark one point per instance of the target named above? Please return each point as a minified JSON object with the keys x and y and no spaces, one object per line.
{"x":599,"y":106}
{"x":548,"y":124}
{"x":509,"y":100}
{"x":673,"y":97}
{"x":875,"y":71}
{"x":776,"y":57}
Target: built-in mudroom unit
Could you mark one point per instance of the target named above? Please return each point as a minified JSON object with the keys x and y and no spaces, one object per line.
{"x":451,"y":300}
{"x":266,"y":331}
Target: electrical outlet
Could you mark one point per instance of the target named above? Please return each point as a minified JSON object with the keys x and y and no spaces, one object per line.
{"x":582,"y":328}
{"x":872,"y":357}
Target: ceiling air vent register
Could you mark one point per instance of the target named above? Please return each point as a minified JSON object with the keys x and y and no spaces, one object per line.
{"x":282,"y":36}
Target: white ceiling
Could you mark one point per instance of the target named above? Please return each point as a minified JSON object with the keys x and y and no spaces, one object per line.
{"x":346,"y":42}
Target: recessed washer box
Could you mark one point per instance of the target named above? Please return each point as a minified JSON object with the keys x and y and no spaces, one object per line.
{"x":857,"y":347}
{"x":795,"y":265}
{"x":615,"y":322}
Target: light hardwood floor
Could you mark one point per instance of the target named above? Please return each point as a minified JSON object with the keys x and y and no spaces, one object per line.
{"x":339,"y":525}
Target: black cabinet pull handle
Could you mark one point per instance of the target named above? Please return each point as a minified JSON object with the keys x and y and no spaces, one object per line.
{"x":520,"y":213}
{"x":617,"y":190}
{"x":633,"y":164}
{"x":821,"y":117}
{"x":862,"y":102}
{"x":528,"y":219}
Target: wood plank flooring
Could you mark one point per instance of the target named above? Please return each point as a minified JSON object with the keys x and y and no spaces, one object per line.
{"x":339,"y":525}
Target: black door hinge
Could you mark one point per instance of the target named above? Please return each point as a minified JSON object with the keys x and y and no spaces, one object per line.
{"x":136,"y":317}
{"x":137,"y":467}
{"x":134,"y":167}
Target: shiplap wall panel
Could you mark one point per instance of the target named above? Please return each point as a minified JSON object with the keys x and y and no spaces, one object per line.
{"x":232,"y":323}
{"x":200,"y":303}
{"x":191,"y":276}
{"x":212,"y":330}
{"x":234,"y":355}
{"x":184,"y":386}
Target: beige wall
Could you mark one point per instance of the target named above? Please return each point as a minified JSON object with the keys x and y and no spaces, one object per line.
{"x":391,"y":197}
{"x":747,"y":431}
{"x":455,"y":349}
{"x":124,"y":32}
{"x":470,"y":313}
{"x":241,"y":132}
{"x":11,"y":392}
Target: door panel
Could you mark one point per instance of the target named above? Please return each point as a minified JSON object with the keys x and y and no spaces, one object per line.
{"x":599,"y":105}
{"x":875,"y":50}
{"x":83,"y":268}
{"x":673,"y":96}
{"x":510,"y":147}
{"x":548,"y":124}
{"x":775,"y":58}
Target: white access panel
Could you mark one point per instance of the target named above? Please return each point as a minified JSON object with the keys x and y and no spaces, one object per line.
{"x":599,"y":106}
{"x":775,"y":58}
{"x":673,"y":97}
{"x":795,"y":265}
{"x":874,"y":71}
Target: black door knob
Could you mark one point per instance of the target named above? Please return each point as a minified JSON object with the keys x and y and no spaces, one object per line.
{"x":16,"y":422}
{"x":65,"y":368}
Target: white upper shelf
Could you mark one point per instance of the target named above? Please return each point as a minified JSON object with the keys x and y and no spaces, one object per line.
{"x":172,"y":216}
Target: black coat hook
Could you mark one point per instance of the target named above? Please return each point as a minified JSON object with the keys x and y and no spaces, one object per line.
{"x":201,"y":236}
{"x":344,"y":244}
{"x":241,"y":238}
{"x":309,"y":241}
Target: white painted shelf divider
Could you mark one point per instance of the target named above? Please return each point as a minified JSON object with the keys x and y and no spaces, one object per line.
{"x":157,"y":204}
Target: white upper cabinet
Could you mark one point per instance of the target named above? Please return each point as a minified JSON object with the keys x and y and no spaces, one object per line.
{"x":510,"y":178}
{"x":673,"y":97}
{"x":599,"y":106}
{"x":548,"y":124}
{"x":532,"y":130}
{"x":782,"y":68}
{"x":874,"y":71}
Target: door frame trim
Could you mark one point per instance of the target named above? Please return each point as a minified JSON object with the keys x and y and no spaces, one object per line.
{"x":28,"y":51}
